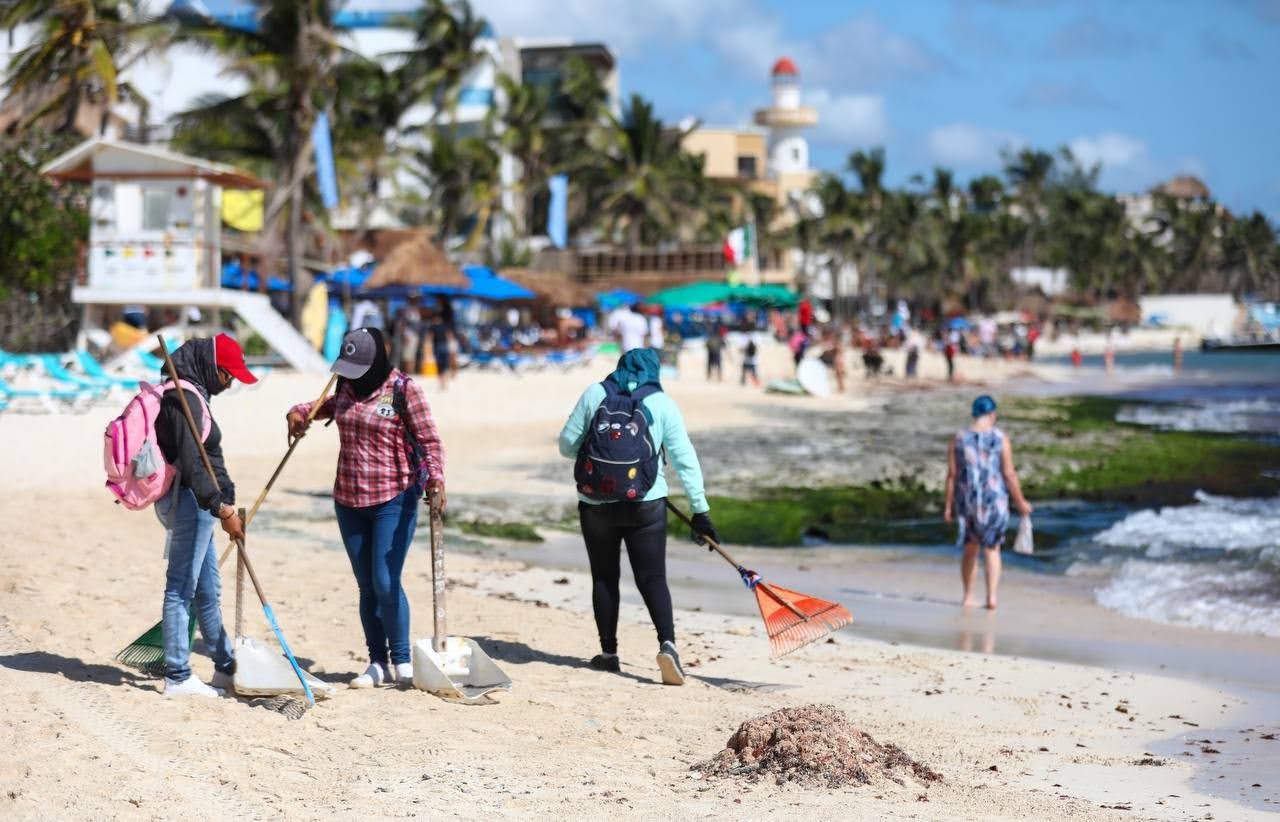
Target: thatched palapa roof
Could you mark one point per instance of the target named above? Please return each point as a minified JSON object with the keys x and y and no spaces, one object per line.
{"x":553,"y":287}
{"x":416,"y":261}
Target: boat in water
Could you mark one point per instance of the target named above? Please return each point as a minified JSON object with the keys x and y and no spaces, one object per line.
{"x":1240,"y":344}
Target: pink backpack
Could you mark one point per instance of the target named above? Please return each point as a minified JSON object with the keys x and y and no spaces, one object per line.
{"x":136,"y":469}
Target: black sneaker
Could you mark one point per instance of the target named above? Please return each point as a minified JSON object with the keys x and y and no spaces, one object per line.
{"x":669,"y":664}
{"x":606,"y":662}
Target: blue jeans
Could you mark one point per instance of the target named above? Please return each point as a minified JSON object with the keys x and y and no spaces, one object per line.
{"x":377,"y":539}
{"x":192,"y":576}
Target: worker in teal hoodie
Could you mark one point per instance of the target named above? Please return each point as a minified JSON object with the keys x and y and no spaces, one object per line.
{"x":621,"y":434}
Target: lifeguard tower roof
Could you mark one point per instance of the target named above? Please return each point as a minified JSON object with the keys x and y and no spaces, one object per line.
{"x":102,"y":157}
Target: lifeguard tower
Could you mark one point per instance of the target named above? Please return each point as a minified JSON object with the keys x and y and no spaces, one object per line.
{"x":155,"y":237}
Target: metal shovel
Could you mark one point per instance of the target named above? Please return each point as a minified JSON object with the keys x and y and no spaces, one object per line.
{"x":451,"y":667}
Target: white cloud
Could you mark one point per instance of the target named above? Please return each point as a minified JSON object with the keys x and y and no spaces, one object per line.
{"x":849,"y":119}
{"x":1111,"y":149}
{"x":861,"y":50}
{"x":965,"y":146}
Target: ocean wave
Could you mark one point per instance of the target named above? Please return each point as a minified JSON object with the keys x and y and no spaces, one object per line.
{"x":1229,"y":417}
{"x":1211,"y":524}
{"x":1214,"y":564}
{"x":1236,"y":600}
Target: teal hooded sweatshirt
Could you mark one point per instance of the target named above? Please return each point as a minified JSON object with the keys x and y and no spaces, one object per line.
{"x":639,"y":367}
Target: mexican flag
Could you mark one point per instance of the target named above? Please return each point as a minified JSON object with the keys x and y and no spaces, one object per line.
{"x":738,"y":246}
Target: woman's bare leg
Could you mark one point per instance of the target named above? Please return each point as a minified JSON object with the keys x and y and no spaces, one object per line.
{"x":969,"y":570}
{"x":993,"y":575}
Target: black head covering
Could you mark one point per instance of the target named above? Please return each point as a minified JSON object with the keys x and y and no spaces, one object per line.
{"x":195,"y":362}
{"x":377,"y":374}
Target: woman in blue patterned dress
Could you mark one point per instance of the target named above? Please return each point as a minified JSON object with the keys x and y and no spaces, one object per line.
{"x":981,"y":480}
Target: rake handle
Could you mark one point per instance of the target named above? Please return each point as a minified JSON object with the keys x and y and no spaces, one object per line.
{"x":715,"y":546}
{"x":243,"y":557}
{"x":293,"y":443}
{"x":440,"y":628}
{"x":240,"y":590}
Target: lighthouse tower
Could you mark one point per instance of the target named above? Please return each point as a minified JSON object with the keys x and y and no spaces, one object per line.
{"x":786,"y":121}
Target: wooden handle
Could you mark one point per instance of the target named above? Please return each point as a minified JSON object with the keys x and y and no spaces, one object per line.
{"x":715,"y":546}
{"x":437,"y":572}
{"x":240,"y":589}
{"x":293,"y":443}
{"x":279,"y":467}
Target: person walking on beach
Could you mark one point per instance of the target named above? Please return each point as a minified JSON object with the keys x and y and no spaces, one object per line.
{"x":750,"y":356}
{"x":715,"y":354}
{"x":630,"y":328}
{"x":440,"y":332}
{"x":390,"y":453}
{"x":981,"y":480}
{"x":190,"y":509}
{"x":621,"y":433}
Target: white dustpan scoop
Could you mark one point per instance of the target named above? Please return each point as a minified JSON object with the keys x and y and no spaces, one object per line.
{"x":261,"y":670}
{"x":462,"y":671}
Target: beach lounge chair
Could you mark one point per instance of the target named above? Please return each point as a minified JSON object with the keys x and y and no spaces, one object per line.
{"x":51,"y":399}
{"x":94,"y":369}
{"x":52,"y":366}
{"x":151,"y":362}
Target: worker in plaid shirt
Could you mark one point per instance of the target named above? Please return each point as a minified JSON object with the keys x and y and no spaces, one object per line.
{"x":390,"y":455}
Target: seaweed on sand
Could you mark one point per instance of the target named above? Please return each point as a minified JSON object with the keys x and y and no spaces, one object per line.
{"x":811,"y":745}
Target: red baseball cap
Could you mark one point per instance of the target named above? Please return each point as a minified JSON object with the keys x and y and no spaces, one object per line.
{"x":227,"y":354}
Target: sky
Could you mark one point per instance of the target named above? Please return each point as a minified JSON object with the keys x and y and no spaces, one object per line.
{"x":1148,"y":89}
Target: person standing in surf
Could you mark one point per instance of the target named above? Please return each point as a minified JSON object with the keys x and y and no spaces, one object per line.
{"x":621,"y":432}
{"x":390,"y":454}
{"x":981,"y":480}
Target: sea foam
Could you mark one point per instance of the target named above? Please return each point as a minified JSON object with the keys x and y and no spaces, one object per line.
{"x":1214,"y":564}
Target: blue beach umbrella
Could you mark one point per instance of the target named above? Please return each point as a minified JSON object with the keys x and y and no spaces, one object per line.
{"x":487,"y":285}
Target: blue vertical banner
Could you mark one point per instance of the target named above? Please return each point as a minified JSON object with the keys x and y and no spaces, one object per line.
{"x":326,"y":175}
{"x":558,"y":210}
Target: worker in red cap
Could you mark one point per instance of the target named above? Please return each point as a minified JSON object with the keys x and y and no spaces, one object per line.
{"x":190,"y":510}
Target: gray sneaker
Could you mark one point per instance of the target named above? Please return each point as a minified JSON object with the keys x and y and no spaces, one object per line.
{"x":669,"y":664}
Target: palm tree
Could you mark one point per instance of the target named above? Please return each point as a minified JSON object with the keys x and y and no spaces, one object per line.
{"x":868,"y":168}
{"x":446,"y":37}
{"x":524,"y":135}
{"x":287,"y":62}
{"x":1247,"y":245}
{"x":75,"y":58}
{"x":1188,"y":231}
{"x":461,"y":176}
{"x":651,"y":187}
{"x":840,"y":232}
{"x":1029,"y":172}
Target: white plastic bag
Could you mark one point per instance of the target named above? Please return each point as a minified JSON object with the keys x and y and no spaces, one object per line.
{"x":1024,"y":543}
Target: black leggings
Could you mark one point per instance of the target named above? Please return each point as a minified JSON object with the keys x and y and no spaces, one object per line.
{"x":643,"y":526}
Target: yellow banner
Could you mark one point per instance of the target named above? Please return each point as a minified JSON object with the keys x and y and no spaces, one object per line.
{"x":243,"y":209}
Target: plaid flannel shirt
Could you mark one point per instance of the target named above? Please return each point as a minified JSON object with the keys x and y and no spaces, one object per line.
{"x":373,"y":457}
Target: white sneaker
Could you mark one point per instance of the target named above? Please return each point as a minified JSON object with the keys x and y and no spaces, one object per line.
{"x":223,"y":682}
{"x":402,"y":673}
{"x":191,"y":686}
{"x":373,"y":676}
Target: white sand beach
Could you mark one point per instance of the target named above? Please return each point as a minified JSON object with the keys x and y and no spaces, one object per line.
{"x":1015,"y":737}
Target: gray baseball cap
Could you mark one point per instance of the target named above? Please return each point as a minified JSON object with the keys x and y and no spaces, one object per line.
{"x":359,"y":349}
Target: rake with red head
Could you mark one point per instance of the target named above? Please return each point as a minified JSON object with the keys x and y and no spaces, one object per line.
{"x":791,"y":619}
